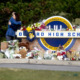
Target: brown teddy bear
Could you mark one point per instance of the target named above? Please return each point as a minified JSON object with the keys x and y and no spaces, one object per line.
{"x":71,"y":55}
{"x":25,"y":45}
{"x":23,"y":48}
{"x":23,"y":52}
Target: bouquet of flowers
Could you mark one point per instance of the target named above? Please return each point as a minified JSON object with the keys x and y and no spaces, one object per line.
{"x":12,"y":46}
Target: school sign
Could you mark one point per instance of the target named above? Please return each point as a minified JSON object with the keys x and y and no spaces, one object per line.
{"x":52,"y":39}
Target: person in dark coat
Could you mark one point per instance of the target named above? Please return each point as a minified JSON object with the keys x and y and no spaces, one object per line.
{"x":13,"y":25}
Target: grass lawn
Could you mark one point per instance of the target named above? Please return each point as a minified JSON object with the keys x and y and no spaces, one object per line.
{"x":24,"y":74}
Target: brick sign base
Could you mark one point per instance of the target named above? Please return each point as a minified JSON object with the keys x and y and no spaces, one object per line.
{"x":76,"y":46}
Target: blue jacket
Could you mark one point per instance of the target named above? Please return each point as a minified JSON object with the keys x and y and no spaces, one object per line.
{"x":15,"y":25}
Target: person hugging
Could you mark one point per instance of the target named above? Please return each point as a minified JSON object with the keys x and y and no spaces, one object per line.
{"x":13,"y":25}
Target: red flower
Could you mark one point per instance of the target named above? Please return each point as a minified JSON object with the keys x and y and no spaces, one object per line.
{"x":24,"y":28}
{"x":42,"y":26}
{"x":63,"y":53}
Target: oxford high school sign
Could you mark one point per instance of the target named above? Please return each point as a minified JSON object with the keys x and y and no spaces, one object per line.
{"x":57,"y":34}
{"x":52,"y":39}
{"x":53,"y":34}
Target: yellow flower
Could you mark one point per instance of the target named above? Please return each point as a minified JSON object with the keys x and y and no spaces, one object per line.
{"x":29,"y":29}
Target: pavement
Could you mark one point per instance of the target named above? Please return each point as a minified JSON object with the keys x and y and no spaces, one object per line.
{"x":40,"y":67}
{"x":36,"y":61}
{"x":41,"y":64}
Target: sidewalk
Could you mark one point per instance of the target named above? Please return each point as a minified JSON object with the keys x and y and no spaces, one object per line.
{"x":36,"y":61}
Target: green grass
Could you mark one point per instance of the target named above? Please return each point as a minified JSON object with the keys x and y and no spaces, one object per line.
{"x":24,"y":74}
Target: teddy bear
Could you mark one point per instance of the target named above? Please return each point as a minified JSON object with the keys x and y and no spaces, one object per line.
{"x":25,"y":45}
{"x":23,"y":51}
{"x":71,"y":55}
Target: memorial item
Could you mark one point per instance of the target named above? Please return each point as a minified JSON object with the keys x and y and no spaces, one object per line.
{"x":2,"y":55}
{"x":12,"y":47}
{"x":4,"y":45}
{"x":23,"y":44}
{"x":30,"y":34}
{"x":48,"y":55}
{"x":23,"y":52}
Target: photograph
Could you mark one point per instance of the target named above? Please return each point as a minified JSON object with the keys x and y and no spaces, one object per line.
{"x":39,"y":39}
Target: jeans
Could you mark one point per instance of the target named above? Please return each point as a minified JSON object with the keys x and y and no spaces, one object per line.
{"x":19,"y":39}
{"x":8,"y":38}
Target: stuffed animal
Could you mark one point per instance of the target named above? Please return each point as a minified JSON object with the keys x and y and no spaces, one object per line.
{"x":23,"y":48}
{"x":23,"y":52}
{"x":77,"y":55}
{"x":70,"y":55}
{"x":25,"y":45}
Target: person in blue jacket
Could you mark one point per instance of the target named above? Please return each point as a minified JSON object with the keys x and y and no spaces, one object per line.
{"x":13,"y":25}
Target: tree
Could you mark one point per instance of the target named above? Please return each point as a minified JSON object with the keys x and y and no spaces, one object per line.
{"x":32,"y":11}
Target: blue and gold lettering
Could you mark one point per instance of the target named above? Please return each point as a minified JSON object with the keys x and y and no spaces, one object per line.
{"x":61,"y":34}
{"x":53,"y":34}
{"x":73,"y":34}
{"x":38,"y":34}
{"x":69,"y":34}
{"x":42,"y":34}
{"x":57,"y":34}
{"x":20,"y":33}
{"x":78,"y":34}
{"x":49,"y":34}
